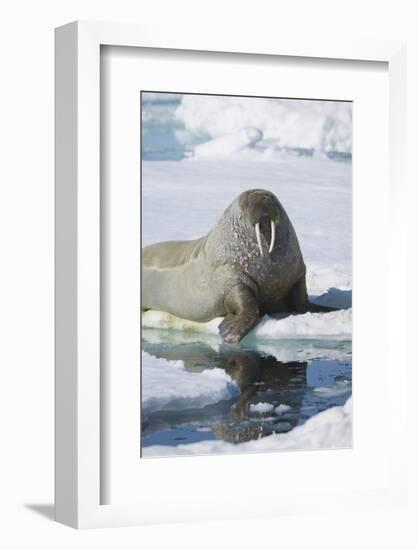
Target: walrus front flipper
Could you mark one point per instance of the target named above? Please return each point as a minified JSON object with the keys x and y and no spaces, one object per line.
{"x":298,"y":300}
{"x":242,"y":314}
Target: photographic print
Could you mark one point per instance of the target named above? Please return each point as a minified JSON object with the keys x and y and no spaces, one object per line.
{"x":246,"y":275}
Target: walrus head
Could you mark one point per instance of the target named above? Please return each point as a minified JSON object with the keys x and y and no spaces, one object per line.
{"x":261,"y":209}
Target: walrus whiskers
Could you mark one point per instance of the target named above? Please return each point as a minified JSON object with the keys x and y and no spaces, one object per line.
{"x":271,"y":246}
{"x":258,"y":238}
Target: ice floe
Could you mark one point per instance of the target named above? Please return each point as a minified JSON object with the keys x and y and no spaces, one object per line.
{"x":166,"y":385}
{"x":337,"y":324}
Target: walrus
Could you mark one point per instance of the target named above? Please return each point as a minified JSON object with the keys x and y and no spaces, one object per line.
{"x":248,"y":265}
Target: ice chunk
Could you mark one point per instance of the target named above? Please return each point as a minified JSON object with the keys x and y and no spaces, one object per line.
{"x":295,"y":124}
{"x":227,"y":145}
{"x":167,"y":385}
{"x":281,"y":409}
{"x":340,"y":388}
{"x":261,"y":408}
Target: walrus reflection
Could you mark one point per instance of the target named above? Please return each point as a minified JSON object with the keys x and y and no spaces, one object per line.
{"x":257,"y":374}
{"x":260,"y":378}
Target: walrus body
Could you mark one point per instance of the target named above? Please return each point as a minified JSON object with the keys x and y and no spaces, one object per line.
{"x":249,"y":264}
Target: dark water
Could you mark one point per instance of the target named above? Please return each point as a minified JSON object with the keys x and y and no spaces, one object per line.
{"x":307,"y":387}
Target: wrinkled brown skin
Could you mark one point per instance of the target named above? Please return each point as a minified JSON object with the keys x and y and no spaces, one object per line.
{"x":224,"y":274}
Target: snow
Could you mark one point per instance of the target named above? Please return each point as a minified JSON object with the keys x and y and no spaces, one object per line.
{"x":340,"y":388}
{"x":261,"y":408}
{"x":318,"y":125}
{"x":337,"y":324}
{"x":167,"y":385}
{"x":281,"y":409}
{"x":229,"y":144}
{"x":326,"y":430}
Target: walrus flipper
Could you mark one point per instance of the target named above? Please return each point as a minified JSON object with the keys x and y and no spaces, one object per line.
{"x":242,"y":314}
{"x":299,"y":302}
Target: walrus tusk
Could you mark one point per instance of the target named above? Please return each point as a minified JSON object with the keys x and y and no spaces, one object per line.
{"x":271,"y":246}
{"x":258,"y":238}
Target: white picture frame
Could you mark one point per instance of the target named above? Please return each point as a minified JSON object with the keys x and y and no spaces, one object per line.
{"x":78,"y":405}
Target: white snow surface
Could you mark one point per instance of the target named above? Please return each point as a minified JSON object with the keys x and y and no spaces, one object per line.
{"x":167,"y":385}
{"x":326,"y":430}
